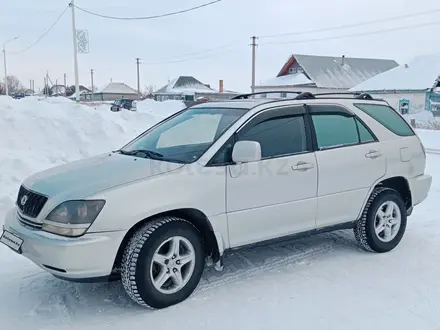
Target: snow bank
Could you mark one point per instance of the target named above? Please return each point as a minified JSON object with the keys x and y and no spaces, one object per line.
{"x":38,"y":133}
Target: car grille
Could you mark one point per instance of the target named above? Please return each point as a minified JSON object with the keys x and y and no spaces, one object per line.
{"x":28,"y":223}
{"x":30,"y":203}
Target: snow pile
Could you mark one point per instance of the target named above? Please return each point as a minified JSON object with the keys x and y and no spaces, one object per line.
{"x":38,"y":133}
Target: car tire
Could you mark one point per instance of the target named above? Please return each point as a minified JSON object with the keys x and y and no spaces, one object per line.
{"x":163,"y":262}
{"x":383,"y":221}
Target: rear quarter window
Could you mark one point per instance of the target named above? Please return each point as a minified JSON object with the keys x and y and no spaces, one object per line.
{"x":388,"y":117}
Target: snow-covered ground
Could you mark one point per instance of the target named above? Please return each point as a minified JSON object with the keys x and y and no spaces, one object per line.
{"x":322,"y":282}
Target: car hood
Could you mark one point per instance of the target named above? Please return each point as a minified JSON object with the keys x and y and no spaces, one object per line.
{"x":89,"y":176}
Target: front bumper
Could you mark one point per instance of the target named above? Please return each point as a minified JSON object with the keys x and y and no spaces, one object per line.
{"x":86,"y":257}
{"x":420,"y":186}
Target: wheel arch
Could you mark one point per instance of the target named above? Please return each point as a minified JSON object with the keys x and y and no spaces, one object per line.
{"x":192,"y":215}
{"x":397,"y":183}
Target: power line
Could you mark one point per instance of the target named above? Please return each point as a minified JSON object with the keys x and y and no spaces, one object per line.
{"x":181,"y":58}
{"x":181,"y":61}
{"x":185,"y":60}
{"x":409,"y":27}
{"x":207,"y":50}
{"x":339,"y":27}
{"x":149,"y":17}
{"x":44,"y":34}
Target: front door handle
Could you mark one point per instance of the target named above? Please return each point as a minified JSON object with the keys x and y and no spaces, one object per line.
{"x":373,"y":154}
{"x":303,"y":166}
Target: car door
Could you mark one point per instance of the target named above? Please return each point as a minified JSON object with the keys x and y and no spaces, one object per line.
{"x":350,"y":161}
{"x":276,"y":196}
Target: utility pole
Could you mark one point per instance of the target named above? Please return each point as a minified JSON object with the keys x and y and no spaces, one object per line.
{"x":6,"y":71}
{"x":138,"y":80}
{"x":254,"y":45}
{"x":75,"y":51}
{"x":91,"y":75}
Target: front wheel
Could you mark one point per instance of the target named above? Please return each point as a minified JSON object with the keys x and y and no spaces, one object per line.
{"x":383,"y":221}
{"x":163,"y":263}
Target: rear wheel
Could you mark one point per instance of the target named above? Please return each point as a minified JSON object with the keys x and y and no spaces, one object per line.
{"x":383,"y":221}
{"x":163,"y":263}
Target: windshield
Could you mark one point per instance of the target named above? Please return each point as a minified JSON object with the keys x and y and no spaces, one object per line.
{"x":185,"y":137}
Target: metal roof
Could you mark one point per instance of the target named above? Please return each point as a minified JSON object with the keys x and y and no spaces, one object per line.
{"x":422,"y":73}
{"x":183,"y":84}
{"x":298,"y":79}
{"x":117,"y":88}
{"x":339,"y":72}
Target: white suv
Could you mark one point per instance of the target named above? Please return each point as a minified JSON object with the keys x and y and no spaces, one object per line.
{"x":219,"y":176}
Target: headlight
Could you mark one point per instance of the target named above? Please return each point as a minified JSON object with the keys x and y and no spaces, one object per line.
{"x":73,"y":218}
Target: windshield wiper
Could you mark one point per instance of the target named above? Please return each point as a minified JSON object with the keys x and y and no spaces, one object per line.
{"x":148,"y":153}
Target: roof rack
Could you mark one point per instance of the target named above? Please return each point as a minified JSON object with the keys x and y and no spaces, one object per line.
{"x":246,"y":96}
{"x":308,"y":95}
{"x":357,"y":95}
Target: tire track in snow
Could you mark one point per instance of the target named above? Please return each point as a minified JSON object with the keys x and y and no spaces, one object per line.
{"x":48,"y":300}
{"x":241,"y":265}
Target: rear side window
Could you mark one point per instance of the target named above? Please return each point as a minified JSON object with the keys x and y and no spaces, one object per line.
{"x":388,"y":117}
{"x":334,"y":130}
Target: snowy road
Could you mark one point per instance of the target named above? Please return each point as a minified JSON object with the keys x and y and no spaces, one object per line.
{"x":322,"y":282}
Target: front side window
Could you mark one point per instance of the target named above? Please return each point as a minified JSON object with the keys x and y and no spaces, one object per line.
{"x":278,"y":136}
{"x":388,"y":117}
{"x":334,"y":130}
{"x":185,"y":137}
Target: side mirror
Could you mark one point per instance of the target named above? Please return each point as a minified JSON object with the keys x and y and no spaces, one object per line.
{"x":246,"y":151}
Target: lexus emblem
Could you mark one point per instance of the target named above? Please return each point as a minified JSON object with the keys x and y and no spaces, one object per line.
{"x":23,"y":200}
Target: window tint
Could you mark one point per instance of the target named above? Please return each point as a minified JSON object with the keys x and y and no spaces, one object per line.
{"x":278,"y":136}
{"x":388,"y":117}
{"x":334,"y":130}
{"x":364,"y":134}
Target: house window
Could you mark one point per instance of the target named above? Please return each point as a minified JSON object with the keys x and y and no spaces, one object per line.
{"x":283,"y":94}
{"x":404,"y":106}
{"x":263,"y":96}
{"x":300,"y":69}
{"x":292,"y":70}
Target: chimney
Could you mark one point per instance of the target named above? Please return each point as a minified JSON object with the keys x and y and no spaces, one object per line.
{"x":220,"y":87}
{"x":343,"y":60}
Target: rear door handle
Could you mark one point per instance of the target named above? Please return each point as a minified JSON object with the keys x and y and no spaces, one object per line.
{"x":303,"y":166}
{"x":373,"y":154}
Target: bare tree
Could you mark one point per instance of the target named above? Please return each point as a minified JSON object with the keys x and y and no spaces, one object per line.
{"x":2,"y":89}
{"x":14,"y":84}
{"x":148,"y":91}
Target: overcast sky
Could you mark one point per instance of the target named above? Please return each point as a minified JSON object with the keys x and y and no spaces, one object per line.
{"x":114,"y":45}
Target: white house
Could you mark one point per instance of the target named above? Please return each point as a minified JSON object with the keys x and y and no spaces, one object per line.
{"x":188,"y":88}
{"x":411,"y":87}
{"x":320,"y":74}
{"x":112,"y":91}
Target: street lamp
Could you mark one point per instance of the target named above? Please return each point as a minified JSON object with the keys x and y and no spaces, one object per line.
{"x":6,"y":71}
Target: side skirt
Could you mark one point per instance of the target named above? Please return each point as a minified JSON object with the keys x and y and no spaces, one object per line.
{"x":347,"y":225}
